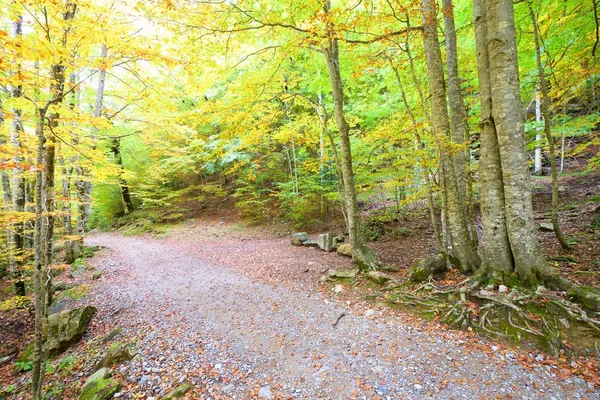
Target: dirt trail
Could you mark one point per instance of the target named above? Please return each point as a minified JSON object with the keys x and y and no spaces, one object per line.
{"x":231,"y":335}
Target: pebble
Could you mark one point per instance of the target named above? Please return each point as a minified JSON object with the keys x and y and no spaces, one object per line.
{"x":369,"y":312}
{"x":417,"y":386}
{"x":265,"y":393}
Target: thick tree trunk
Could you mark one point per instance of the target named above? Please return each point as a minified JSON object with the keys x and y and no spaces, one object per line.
{"x":465,"y":254}
{"x":506,"y":113}
{"x":497,"y":256}
{"x":545,"y":109}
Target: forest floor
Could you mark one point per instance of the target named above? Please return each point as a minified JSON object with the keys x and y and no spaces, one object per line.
{"x":238,"y":311}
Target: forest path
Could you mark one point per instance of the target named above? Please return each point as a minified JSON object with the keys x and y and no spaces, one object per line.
{"x":197,"y":319}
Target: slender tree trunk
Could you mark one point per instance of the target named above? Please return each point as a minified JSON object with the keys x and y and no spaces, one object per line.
{"x":125,"y":196}
{"x":545,"y":106}
{"x":497,"y":256}
{"x":421,"y":146}
{"x":38,"y":263}
{"x":363,"y":256}
{"x":458,"y":115}
{"x":18,"y":183}
{"x":83,"y":184}
{"x":465,"y":254}
{"x":537,"y":170}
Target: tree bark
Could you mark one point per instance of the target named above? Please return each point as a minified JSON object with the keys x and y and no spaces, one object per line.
{"x":530,"y":265}
{"x":83,"y":184}
{"x":421,"y":145}
{"x":115,"y":146}
{"x":458,"y":115}
{"x":38,"y":263}
{"x":537,"y":169}
{"x":497,"y":256}
{"x":545,"y":109}
{"x":465,"y":254}
{"x":363,"y":256}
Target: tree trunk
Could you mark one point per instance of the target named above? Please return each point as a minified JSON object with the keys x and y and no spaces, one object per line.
{"x":497,"y":256}
{"x":115,"y":146}
{"x":465,"y":254}
{"x":545,"y":108}
{"x":530,"y":265}
{"x":38,"y":263}
{"x":420,"y":145}
{"x":363,"y":256}
{"x":18,"y":183}
{"x":82,"y":184}
{"x":537,"y":169}
{"x":458,"y":115}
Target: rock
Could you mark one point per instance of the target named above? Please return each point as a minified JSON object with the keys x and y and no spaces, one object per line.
{"x":67,"y":327}
{"x":329,"y":241}
{"x":299,"y":238}
{"x":103,"y":389}
{"x":345,"y":249}
{"x":369,"y":313}
{"x":389,"y":268}
{"x":227,"y":388}
{"x":546,"y":227}
{"x":97,"y":275}
{"x":502,"y":289}
{"x":179,"y":391}
{"x":378,"y":277}
{"x":334,"y":274}
{"x":60,"y":286}
{"x":417,"y":386}
{"x":117,"y":353}
{"x":112,"y":334}
{"x":99,"y":386}
{"x":310,"y":243}
{"x":587,"y":296}
{"x":338,"y":288}
{"x":102,"y":373}
{"x":424,"y":268}
{"x":265,"y":393}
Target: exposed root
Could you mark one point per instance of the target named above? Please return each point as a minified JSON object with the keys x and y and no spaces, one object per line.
{"x":516,"y":316}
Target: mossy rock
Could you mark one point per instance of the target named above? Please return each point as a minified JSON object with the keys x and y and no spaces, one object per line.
{"x":179,"y":391}
{"x":15,"y":302}
{"x":112,"y":334}
{"x":423,"y":268}
{"x":117,"y":353}
{"x":74,"y":293}
{"x":103,"y":373}
{"x":335,"y":274}
{"x":67,"y":327}
{"x":378,"y":277}
{"x":587,"y":296}
{"x":100,"y":389}
{"x":345,"y":249}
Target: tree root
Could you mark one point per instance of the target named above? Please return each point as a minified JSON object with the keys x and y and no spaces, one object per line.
{"x":517,"y":315}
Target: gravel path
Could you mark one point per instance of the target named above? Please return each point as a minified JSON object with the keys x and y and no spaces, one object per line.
{"x":233,"y":336}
